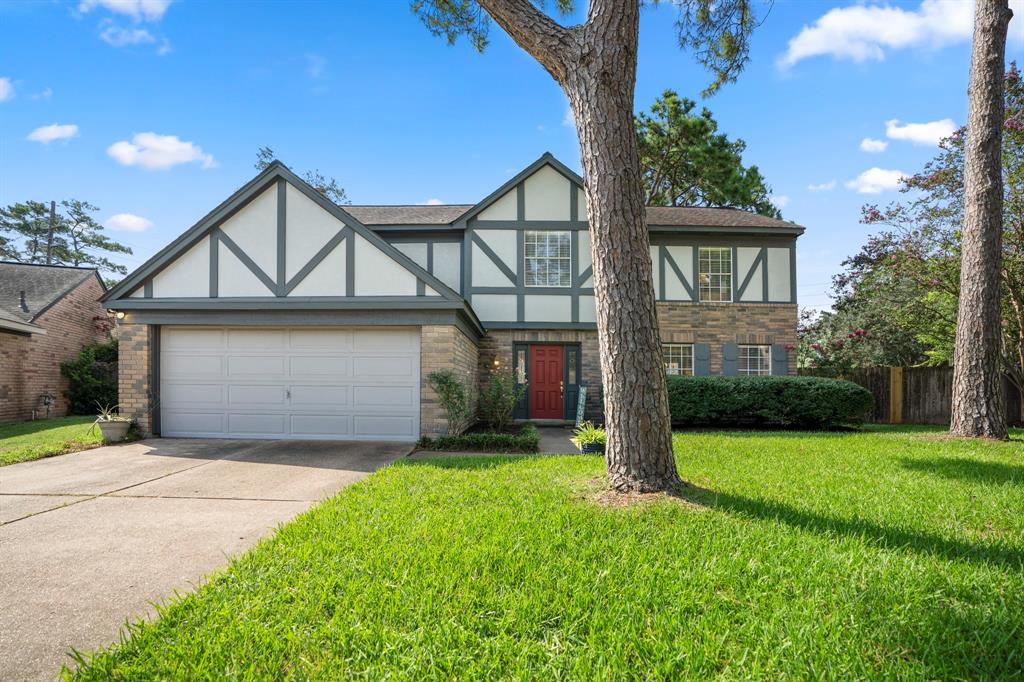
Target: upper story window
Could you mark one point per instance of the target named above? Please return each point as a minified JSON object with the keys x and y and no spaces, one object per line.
{"x":547,"y":258}
{"x":715,"y":273}
{"x":678,"y":358}
{"x":755,"y":360}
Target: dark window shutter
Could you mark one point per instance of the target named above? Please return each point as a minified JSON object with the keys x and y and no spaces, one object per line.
{"x":701,"y":360}
{"x":780,"y":360}
{"x":730,"y":359}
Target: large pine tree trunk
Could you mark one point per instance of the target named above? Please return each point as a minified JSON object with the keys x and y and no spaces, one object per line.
{"x":978,"y":402}
{"x":595,"y":64}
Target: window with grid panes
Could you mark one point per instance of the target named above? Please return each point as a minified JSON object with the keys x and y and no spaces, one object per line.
{"x":715,"y":273}
{"x":755,"y":360}
{"x":678,"y":358}
{"x":547,"y":258}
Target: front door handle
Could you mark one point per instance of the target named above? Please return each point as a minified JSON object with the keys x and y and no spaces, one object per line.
{"x":561,"y":387}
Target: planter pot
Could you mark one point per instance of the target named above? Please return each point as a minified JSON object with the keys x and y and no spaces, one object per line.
{"x":592,"y":449}
{"x":114,"y":432}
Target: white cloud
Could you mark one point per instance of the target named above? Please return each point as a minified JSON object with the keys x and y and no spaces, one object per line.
{"x":920,"y":133}
{"x":138,"y":10}
{"x":165,"y":47}
{"x":56,"y":131}
{"x":6,"y":89}
{"x":47,"y":93}
{"x":316,"y":66}
{"x":872,"y":146}
{"x":864,"y":32}
{"x":158,"y":152}
{"x":876,"y":180}
{"x":823,"y":187}
{"x":119,"y":37}
{"x":433,"y":202}
{"x":569,"y":120}
{"x":780,"y":201}
{"x":128,"y":222}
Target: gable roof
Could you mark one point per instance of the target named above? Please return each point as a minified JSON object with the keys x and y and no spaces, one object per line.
{"x":44,"y":285}
{"x":702,"y":216}
{"x":546,"y":159}
{"x":272,"y":173}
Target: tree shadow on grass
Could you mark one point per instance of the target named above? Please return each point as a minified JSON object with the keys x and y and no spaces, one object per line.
{"x":887,"y":537}
{"x":966,"y":469}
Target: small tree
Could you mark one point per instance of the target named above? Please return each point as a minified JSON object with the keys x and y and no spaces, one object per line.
{"x":499,"y":399}
{"x":456,"y":398}
{"x":92,"y":377}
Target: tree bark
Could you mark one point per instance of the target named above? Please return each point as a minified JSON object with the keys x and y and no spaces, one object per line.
{"x":978,"y":408}
{"x":595,"y":64}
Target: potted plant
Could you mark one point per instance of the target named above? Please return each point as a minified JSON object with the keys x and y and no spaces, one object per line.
{"x":588,"y":438}
{"x":113,"y":426}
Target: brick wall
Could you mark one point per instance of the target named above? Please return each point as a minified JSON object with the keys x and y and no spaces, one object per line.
{"x":30,"y":366}
{"x":443,"y":347}
{"x":133,"y":366}
{"x":717,"y":324}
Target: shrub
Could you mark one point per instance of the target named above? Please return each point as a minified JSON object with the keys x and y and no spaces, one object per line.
{"x":499,"y":398}
{"x":92,"y":377}
{"x":527,"y":440}
{"x":456,"y":398}
{"x":589,"y":438}
{"x":781,"y":401}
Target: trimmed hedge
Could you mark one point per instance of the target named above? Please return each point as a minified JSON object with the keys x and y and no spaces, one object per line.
{"x":527,"y":440}
{"x":769,"y":401}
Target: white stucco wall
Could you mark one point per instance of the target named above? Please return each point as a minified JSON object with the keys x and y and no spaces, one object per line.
{"x":235,"y":279}
{"x":308,"y":227}
{"x":187,"y":276}
{"x":378,"y":275}
{"x":254,"y":229}
{"x":542,"y":308}
{"x":502,"y":209}
{"x":779,"y":278}
{"x":327,"y":278}
{"x":547,"y":195}
{"x":495,"y":307}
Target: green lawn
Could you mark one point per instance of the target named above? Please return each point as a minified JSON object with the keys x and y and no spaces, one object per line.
{"x":892,"y":554}
{"x":24,"y":441}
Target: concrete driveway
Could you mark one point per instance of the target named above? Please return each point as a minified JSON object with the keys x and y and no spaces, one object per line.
{"x":90,"y":539}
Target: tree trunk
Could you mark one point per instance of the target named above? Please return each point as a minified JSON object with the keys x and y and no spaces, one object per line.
{"x":978,"y":404}
{"x":595,"y":64}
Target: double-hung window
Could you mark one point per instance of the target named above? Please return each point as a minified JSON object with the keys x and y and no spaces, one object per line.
{"x":715,"y":274}
{"x":678,"y":358}
{"x":755,"y":360}
{"x":547,"y":255}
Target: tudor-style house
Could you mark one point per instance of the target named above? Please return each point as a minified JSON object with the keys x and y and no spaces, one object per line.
{"x":283,"y":315}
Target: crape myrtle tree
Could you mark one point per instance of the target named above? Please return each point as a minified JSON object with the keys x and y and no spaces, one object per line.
{"x":903,"y":287}
{"x":595,"y":65}
{"x":978,"y":407}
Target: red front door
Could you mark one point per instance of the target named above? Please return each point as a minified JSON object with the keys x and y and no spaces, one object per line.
{"x":546,"y":382}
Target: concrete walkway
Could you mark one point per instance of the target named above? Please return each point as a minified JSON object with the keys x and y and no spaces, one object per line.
{"x":88,"y":540}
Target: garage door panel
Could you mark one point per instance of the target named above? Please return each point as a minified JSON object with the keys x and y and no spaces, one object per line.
{"x":382,"y":367}
{"x":255,"y":395}
{"x":321,"y":425}
{"x":384,"y":426}
{"x":255,"y":365}
{"x":295,"y":382}
{"x":181,"y":365}
{"x":319,"y":396}
{"x":246,"y":339}
{"x":377,"y":396}
{"x":193,"y":423}
{"x":326,"y":367}
{"x":322,"y":339}
{"x":262,"y":424}
{"x":197,"y":338}
{"x":205,"y":395}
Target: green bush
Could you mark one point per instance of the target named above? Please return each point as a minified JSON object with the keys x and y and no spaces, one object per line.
{"x":498,"y":399}
{"x":527,"y":440}
{"x":92,"y":378}
{"x":456,"y":398}
{"x":781,"y":401}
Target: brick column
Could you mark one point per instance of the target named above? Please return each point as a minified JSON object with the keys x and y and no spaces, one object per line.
{"x":133,"y":373}
{"x":444,"y":347}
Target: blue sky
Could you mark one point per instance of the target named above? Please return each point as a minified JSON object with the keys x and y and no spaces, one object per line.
{"x":361,"y":91}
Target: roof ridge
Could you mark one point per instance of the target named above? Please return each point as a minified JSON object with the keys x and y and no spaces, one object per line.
{"x":50,"y":265}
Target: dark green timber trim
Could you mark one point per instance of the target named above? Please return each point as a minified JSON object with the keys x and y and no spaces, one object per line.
{"x":246,"y":261}
{"x":214,"y":263}
{"x":671,"y":262}
{"x":350,"y":261}
{"x":316,"y":260}
{"x":154,"y":378}
{"x":494,"y":258}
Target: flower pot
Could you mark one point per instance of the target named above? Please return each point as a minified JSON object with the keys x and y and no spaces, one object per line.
{"x":114,"y":431}
{"x":592,"y":449}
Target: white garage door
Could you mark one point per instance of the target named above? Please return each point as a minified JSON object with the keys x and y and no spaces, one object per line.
{"x":294,"y":382}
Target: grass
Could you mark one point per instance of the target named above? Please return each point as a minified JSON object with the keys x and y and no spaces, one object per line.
{"x":25,"y":441}
{"x":892,"y":553}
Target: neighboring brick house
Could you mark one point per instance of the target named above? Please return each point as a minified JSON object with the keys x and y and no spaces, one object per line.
{"x":47,"y":313}
{"x":283,"y":315}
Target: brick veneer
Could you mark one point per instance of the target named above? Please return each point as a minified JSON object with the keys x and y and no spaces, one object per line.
{"x":717,"y":324}
{"x":30,"y":365}
{"x":443,"y":347}
{"x":135,"y":342}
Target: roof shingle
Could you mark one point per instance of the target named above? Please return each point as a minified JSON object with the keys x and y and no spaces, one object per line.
{"x":42,"y":284}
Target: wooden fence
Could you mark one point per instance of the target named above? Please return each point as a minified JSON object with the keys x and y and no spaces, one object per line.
{"x":921,"y":395}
